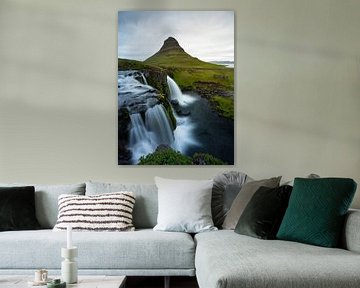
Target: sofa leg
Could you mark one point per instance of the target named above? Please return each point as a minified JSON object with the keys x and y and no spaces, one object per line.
{"x":167,"y":282}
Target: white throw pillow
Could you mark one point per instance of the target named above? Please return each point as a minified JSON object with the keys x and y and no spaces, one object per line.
{"x":184,"y":205}
{"x":105,"y":212}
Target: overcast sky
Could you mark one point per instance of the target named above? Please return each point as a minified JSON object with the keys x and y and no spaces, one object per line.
{"x":207,"y":35}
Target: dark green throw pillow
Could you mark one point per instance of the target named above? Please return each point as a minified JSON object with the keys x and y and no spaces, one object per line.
{"x":263,"y":214}
{"x":17,"y":208}
{"x":316,"y":211}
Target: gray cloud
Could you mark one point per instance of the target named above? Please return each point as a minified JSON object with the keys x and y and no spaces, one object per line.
{"x":207,"y":35}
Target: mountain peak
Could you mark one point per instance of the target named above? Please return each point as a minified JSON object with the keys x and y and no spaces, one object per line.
{"x":171,"y":44}
{"x":171,"y":41}
{"x":171,"y":54}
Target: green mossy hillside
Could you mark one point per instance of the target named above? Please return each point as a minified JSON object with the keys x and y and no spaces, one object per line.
{"x":179,"y":59}
{"x":165,"y":155}
{"x":224,"y":105}
{"x":199,"y":79}
{"x":127,"y":64}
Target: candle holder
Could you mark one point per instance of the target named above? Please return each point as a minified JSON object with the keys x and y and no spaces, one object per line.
{"x":69,"y":271}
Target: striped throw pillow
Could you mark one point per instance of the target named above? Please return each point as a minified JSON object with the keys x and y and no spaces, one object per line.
{"x":105,"y":212}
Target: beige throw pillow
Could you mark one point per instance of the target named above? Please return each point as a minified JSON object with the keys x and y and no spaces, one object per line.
{"x":104,"y":212}
{"x":243,"y":198}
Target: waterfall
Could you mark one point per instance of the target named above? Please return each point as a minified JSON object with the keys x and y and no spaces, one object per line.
{"x":132,"y":76}
{"x":146,"y":136}
{"x":158,"y":123}
{"x":134,"y":93}
{"x":150,"y":125}
{"x":176,"y":94}
{"x":138,"y":130}
{"x":144,"y":79}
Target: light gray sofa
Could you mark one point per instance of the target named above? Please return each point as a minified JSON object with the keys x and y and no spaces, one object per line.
{"x":142,"y":252}
{"x":226,"y":259}
{"x":220,"y":259}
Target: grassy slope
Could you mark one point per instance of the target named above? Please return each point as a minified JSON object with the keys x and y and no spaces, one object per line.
{"x":215,"y":82}
{"x":126,"y":64}
{"x":224,"y":105}
{"x":179,"y":59}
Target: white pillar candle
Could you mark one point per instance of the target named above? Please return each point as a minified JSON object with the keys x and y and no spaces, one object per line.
{"x":69,"y":237}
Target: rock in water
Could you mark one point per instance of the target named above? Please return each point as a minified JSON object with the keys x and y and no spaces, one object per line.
{"x":175,"y":102}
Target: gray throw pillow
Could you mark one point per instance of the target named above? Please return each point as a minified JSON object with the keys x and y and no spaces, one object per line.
{"x":226,"y":187}
{"x":242,"y":199}
{"x":46,"y":200}
{"x":184,"y":205}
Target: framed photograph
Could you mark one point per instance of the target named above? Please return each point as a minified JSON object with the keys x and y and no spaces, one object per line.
{"x":175,"y":87}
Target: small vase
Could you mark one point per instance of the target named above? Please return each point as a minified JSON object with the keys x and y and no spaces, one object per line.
{"x":69,"y":271}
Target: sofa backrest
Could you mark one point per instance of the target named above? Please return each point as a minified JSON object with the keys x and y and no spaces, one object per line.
{"x":146,"y":203}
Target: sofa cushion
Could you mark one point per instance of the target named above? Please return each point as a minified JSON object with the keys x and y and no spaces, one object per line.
{"x":46,"y":200}
{"x":105,"y":212}
{"x":317,"y":209}
{"x":137,"y":250}
{"x":263,"y":215}
{"x":225,"y":259}
{"x":17,"y":208}
{"x":350,"y":239}
{"x":184,"y":205}
{"x":243,"y":198}
{"x":225,"y":189}
{"x":146,"y":205}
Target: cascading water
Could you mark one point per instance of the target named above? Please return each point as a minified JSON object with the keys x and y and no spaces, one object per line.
{"x":184,"y":129}
{"x":146,"y":136}
{"x":134,"y":92}
{"x":158,"y":123}
{"x":139,"y":137}
{"x":176,"y":94}
{"x":150,"y":124}
{"x":144,"y":79}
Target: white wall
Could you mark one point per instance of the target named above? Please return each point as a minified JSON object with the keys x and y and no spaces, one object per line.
{"x":297,"y":89}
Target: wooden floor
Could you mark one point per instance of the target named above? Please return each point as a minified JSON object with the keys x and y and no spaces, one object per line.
{"x":158,"y":282}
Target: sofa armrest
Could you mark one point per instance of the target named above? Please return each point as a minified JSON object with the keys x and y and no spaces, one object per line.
{"x":351,"y":234}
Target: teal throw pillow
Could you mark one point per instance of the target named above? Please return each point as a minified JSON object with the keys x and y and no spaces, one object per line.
{"x":316,"y":211}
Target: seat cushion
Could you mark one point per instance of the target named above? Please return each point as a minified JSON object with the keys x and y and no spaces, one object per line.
{"x":225,"y":259}
{"x":144,"y":249}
